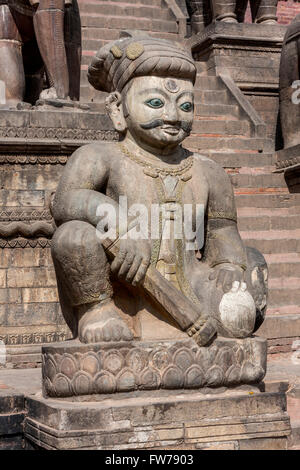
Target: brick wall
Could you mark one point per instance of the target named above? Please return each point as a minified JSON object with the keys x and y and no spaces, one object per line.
{"x":286,"y":12}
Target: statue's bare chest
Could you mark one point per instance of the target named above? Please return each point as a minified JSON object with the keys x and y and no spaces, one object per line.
{"x":148,"y":185}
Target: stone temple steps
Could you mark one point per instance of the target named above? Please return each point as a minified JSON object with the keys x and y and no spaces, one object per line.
{"x":101,"y":22}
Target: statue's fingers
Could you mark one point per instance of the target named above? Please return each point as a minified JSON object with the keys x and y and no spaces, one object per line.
{"x":228,"y":281}
{"x":126,"y":265}
{"x":236,"y":279}
{"x":220,"y":278}
{"x":118,"y":261}
{"x":243,"y":286}
{"x":238,"y":276}
{"x":133,"y":269}
{"x":140,"y":273}
{"x":235,"y":286}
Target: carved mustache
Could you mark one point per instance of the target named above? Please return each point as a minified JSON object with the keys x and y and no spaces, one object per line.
{"x":185,"y":125}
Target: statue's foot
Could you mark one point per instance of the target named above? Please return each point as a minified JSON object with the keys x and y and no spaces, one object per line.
{"x":51,"y":94}
{"x":103,"y":323}
{"x":229,"y":19}
{"x":269,"y":22}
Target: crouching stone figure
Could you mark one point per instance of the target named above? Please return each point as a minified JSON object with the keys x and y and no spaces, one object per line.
{"x":102,"y":290}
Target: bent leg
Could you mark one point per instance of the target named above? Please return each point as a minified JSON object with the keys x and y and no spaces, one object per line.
{"x":11,"y":63}
{"x":83,"y":276}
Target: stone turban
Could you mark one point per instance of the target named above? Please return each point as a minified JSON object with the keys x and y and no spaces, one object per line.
{"x":139,"y":55}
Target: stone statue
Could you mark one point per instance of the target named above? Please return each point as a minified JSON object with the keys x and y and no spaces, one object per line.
{"x":289,"y":77}
{"x":145,"y":284}
{"x":38,"y":36}
{"x":203,"y":12}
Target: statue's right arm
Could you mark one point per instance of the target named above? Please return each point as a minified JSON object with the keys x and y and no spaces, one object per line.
{"x":81,"y":187}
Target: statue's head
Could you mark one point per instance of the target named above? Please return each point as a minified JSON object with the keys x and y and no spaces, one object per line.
{"x":151,"y":83}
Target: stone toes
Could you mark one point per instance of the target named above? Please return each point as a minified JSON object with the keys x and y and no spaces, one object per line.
{"x":127,"y":335}
{"x":98,"y":335}
{"x":88,"y":337}
{"x":111,"y":330}
{"x":116,"y":332}
{"x":106,"y":335}
{"x":243,"y":286}
{"x":235,"y":286}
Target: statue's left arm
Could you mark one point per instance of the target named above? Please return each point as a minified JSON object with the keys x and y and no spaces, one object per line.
{"x":224,"y":249}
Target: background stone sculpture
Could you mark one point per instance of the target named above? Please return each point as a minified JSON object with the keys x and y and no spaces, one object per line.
{"x":30,"y":45}
{"x":203,"y":12}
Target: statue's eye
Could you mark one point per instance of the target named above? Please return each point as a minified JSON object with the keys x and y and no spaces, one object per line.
{"x":187,"y":107}
{"x":155,"y":103}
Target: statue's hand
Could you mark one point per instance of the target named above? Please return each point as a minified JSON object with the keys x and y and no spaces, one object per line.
{"x":132,"y":261}
{"x":226,"y":274}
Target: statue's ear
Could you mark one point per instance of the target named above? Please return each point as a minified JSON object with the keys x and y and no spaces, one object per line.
{"x":114,"y":108}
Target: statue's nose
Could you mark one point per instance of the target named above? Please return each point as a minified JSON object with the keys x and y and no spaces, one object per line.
{"x":171,"y":114}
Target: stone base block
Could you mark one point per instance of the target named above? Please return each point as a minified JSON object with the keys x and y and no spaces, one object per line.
{"x":12,"y":412}
{"x":161,"y":420}
{"x":51,"y":130}
{"x":75,"y":369}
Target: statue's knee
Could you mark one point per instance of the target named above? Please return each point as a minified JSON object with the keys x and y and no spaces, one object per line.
{"x":72,"y":238}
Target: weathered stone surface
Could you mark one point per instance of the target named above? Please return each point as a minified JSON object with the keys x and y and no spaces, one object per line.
{"x":74,"y":369}
{"x":159,"y":420}
{"x":12,"y":412}
{"x":59,"y":131}
{"x":276,"y":443}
